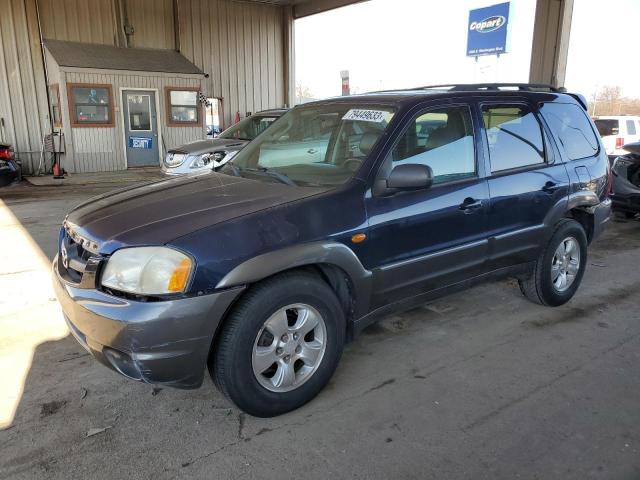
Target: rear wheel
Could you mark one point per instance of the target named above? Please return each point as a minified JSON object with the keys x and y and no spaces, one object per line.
{"x":559,"y":268}
{"x":280,"y":345}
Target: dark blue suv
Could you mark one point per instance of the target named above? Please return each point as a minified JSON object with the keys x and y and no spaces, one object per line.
{"x":342,"y":211}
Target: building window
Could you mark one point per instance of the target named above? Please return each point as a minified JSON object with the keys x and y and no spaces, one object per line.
{"x":182,"y":107}
{"x":90,"y":105}
{"x":54,"y":98}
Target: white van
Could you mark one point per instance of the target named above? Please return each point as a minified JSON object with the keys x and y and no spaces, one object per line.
{"x":617,"y":131}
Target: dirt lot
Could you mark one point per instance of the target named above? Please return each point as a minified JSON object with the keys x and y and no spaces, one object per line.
{"x":481,"y":384}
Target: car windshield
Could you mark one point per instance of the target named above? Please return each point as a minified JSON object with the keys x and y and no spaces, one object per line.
{"x":316,"y":145}
{"x":607,"y":127}
{"x":249,"y":128}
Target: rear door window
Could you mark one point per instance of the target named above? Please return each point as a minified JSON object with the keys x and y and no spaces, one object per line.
{"x":607,"y":126}
{"x":514,"y":136}
{"x":572,"y":129}
{"x":631,"y":127}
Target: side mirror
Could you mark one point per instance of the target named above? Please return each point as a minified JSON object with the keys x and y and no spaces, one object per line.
{"x":411,"y":176}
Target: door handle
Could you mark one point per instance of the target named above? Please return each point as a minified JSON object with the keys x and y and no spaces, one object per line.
{"x":550,"y":187}
{"x":311,"y":151}
{"x":469,"y":205}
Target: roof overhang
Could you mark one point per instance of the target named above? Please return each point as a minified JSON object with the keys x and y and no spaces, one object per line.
{"x":109,"y":57}
{"x":304,"y":8}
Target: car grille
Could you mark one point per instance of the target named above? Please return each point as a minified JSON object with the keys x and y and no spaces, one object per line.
{"x":76,"y":256}
{"x":173,"y":159}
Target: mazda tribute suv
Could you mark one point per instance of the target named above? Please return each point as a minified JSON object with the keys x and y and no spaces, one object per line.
{"x":262,"y":270}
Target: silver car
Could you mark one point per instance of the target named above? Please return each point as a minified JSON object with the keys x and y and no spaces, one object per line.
{"x":203,"y":155}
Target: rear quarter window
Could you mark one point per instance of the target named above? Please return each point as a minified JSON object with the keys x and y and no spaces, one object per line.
{"x":572,"y":129}
{"x":631,"y":127}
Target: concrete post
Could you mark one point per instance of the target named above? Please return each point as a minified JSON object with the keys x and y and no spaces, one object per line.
{"x":289,"y":56}
{"x":550,"y":45}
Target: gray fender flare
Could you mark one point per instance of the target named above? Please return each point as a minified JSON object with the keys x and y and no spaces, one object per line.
{"x":583,"y":199}
{"x":322,"y":252}
{"x":586,"y":199}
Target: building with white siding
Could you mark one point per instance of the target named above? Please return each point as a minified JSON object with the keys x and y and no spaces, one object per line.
{"x":71,"y":66}
{"x":121,"y":107}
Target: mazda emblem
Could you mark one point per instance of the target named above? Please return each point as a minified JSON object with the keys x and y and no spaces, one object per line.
{"x":65,"y":257}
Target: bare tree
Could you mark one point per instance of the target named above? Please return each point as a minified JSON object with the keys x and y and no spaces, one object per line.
{"x":303,"y":93}
{"x":609,"y":100}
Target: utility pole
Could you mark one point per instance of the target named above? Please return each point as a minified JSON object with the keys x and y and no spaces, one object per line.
{"x":344,"y":75}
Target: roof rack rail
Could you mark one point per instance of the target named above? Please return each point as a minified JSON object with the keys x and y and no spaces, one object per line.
{"x":526,"y":87}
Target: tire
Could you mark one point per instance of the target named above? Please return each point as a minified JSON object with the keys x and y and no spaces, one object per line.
{"x":540,"y":287}
{"x":252,"y":328}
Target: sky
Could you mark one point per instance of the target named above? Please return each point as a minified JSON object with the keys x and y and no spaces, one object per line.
{"x":603,"y":47}
{"x":388,"y":44}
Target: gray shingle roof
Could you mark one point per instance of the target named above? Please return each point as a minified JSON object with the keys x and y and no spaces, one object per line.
{"x":107,"y":57}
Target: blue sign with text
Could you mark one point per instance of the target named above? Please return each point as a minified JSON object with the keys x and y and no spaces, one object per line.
{"x":487,"y":30}
{"x":140,"y":142}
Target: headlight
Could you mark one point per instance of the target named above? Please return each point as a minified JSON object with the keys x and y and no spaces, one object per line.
{"x":214,"y":159}
{"x":205,"y":159}
{"x":173,"y":159}
{"x":148,"y":271}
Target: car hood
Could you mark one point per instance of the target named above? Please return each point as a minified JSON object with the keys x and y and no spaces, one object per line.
{"x":156,"y":213}
{"x":205,"y":146}
{"x":633,"y":148}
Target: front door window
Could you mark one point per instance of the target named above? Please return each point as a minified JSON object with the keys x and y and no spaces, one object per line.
{"x":441,"y":139}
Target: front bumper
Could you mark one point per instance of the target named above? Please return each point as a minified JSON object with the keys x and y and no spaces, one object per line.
{"x":626,"y":195}
{"x":184,"y":169}
{"x":9,"y":172}
{"x":163,"y":342}
{"x":627,"y":203}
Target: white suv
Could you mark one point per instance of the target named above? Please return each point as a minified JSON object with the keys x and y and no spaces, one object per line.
{"x":617,"y":131}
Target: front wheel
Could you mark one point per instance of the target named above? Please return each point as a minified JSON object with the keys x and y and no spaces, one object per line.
{"x":280,"y":345}
{"x":559,"y":268}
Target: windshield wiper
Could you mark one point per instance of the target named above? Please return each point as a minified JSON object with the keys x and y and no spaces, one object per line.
{"x":274,"y":174}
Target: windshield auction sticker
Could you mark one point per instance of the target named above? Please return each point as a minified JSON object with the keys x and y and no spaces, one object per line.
{"x":377,"y":116}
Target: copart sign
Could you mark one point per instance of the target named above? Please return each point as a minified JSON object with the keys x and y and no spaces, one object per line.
{"x":487,"y":30}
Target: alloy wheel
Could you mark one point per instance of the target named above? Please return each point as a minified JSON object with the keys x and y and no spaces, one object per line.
{"x":565,"y":264}
{"x":289,"y":348}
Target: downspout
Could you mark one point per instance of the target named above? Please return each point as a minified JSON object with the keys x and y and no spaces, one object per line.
{"x":120,"y":39}
{"x":44,"y":65}
{"x":176,"y":26}
{"x":128,"y":28}
{"x":46,"y":89}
